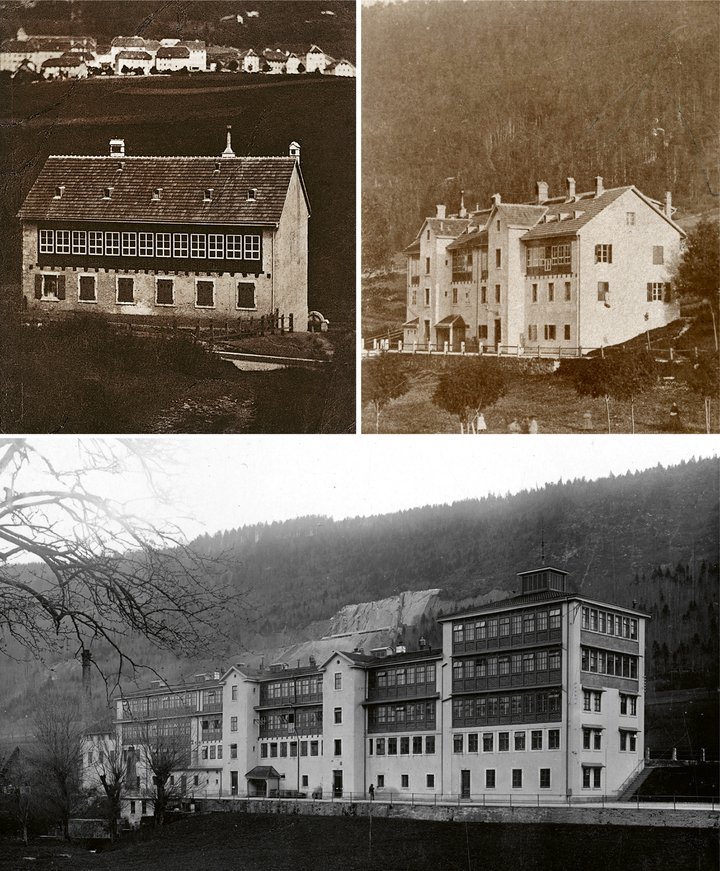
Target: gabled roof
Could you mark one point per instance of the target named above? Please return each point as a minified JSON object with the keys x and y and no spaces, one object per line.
{"x":470,"y":239}
{"x":133,"y":55}
{"x":170,"y":51}
{"x":523,"y":215}
{"x":413,"y":247}
{"x":450,"y":321}
{"x":64,"y":61}
{"x":182,"y":180}
{"x":194,"y":44}
{"x":446,"y":226}
{"x":263,"y":772}
{"x":128,"y":42}
{"x":315,"y":49}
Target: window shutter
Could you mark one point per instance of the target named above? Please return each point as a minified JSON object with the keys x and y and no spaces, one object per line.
{"x":61,"y":287}
{"x":38,"y":286}
{"x":649,"y":292}
{"x":597,"y":253}
{"x":667,"y":294}
{"x":609,"y":253}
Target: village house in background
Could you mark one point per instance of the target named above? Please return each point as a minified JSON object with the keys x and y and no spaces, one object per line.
{"x":561,"y":275}
{"x":185,"y":237}
{"x":545,"y":697}
{"x":81,"y":56}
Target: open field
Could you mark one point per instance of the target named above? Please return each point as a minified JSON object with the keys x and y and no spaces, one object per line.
{"x":279,"y":843}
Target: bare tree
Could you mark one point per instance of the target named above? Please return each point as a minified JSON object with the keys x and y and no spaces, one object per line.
{"x":100,"y":573}
{"x":59,"y":737}
{"x":110,"y":770}
{"x":165,"y":752}
{"x":17,"y":789}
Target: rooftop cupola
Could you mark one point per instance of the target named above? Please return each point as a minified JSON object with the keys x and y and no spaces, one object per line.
{"x":228,"y":147}
{"x":295,"y":150}
{"x":117,"y":148}
{"x":546,"y":579}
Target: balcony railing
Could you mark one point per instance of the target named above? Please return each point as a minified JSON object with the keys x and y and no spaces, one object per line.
{"x":508,"y":719}
{"x":530,"y":679}
{"x":462,"y":276}
{"x":427,"y":725}
{"x":289,"y":730}
{"x":289,"y":700}
{"x":503,"y":642}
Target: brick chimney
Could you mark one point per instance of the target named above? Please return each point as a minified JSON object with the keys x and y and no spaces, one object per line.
{"x":668,"y":205}
{"x":571,"y":189}
{"x":440,"y":210}
{"x":599,"y":188}
{"x":542,"y":192}
{"x":496,"y":199}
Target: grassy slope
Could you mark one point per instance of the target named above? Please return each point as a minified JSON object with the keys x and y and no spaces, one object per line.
{"x":267,"y":843}
{"x":550,"y":398}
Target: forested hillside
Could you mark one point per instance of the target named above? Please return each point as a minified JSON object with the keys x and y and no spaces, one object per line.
{"x":649,"y":538}
{"x":494,"y":96}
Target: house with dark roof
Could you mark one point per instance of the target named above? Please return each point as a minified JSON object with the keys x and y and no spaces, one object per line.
{"x":561,"y":275}
{"x":70,"y":65}
{"x":133,"y":60}
{"x":183,"y":237}
{"x":172,"y":58}
{"x":37,"y":49}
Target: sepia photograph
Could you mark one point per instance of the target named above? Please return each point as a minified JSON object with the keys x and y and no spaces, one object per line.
{"x":365,"y":673}
{"x":540,"y":240}
{"x":178,"y":216}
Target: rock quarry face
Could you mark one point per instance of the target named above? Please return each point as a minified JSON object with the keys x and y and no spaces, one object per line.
{"x":365,"y":625}
{"x":393,"y":613}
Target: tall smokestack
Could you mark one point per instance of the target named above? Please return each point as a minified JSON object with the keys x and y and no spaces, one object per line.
{"x":542,"y":191}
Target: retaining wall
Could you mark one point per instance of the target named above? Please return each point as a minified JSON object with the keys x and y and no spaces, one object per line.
{"x":607,"y":816}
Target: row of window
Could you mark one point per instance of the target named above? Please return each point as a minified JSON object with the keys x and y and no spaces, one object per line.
{"x":281,"y":689}
{"x":516,"y":663}
{"x":214,"y":751}
{"x":547,"y":256}
{"x":481,"y":629}
{"x":483,"y":709}
{"x":603,"y":253}
{"x":143,"y":732}
{"x":606,"y":662}
{"x":609,"y":623}
{"x":490,"y":741}
{"x":213,"y":725}
{"x":403,"y":676}
{"x":405,"y":781}
{"x":549,"y":332}
{"x":112,"y":243}
{"x":53,"y":287}
{"x":412,"y":715}
{"x":273,"y":749}
{"x":592,"y":739}
{"x":403,"y":746}
{"x":551,"y":292}
{"x":301,"y":720}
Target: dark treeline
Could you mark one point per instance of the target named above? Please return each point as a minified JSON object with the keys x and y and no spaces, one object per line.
{"x":648,"y":538}
{"x":212,"y":20}
{"x":492,"y":97}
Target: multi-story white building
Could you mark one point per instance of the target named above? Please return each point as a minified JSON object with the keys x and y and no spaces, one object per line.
{"x":540,"y":694}
{"x":562,"y":274}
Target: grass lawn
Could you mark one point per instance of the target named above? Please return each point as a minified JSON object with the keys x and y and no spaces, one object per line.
{"x":306,"y":843}
{"x":550,"y":398}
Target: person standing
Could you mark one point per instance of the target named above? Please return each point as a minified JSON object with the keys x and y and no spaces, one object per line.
{"x":371,"y":791}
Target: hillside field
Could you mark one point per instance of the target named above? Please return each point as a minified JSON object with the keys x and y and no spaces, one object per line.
{"x":305,"y":843}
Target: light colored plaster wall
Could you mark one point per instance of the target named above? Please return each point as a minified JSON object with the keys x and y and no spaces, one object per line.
{"x":351,"y":731}
{"x":415,"y":765}
{"x":629,"y":312}
{"x":290,"y":255}
{"x":246,"y":734}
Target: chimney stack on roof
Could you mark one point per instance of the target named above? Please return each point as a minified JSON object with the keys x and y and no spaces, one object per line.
{"x":463,"y":210}
{"x":440,"y":210}
{"x":571,"y":189}
{"x":497,"y":199}
{"x":599,"y":188}
{"x":668,"y":205}
{"x":542,"y":192}
{"x":117,"y":148}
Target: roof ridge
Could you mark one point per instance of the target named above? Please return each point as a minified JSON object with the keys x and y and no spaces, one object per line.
{"x":117,"y":157}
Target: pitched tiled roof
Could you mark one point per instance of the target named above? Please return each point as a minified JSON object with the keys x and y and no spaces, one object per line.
{"x":182,"y":180}
{"x":133,"y":55}
{"x":173,"y":51}
{"x":129,"y":42}
{"x":522,"y":214}
{"x":263,"y":772}
{"x":447,"y":226}
{"x":412,"y":248}
{"x":450,"y":321}
{"x":586,"y":206}
{"x":469,"y":239}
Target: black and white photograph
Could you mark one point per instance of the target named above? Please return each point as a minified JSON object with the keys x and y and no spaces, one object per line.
{"x":178,"y":216}
{"x":540,"y":241}
{"x":366,"y":673}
